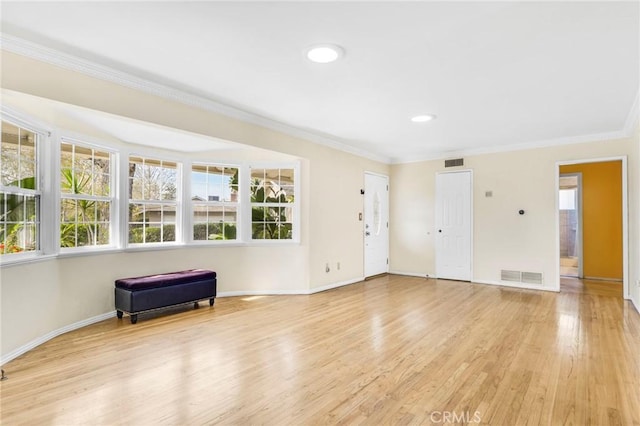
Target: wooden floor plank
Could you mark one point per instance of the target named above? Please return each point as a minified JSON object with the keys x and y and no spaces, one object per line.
{"x":391,"y":350}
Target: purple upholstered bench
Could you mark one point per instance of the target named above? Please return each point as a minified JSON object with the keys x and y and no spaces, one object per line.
{"x":139,"y":294}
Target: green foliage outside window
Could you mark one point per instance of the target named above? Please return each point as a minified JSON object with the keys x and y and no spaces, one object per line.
{"x":18,"y":218}
{"x":19,"y":203}
{"x":272,"y":196}
{"x":85,"y":188}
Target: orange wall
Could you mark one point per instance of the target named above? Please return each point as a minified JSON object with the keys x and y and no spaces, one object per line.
{"x":601,"y":218}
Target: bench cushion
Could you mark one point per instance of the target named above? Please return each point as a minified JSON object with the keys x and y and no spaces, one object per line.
{"x":165,"y":280}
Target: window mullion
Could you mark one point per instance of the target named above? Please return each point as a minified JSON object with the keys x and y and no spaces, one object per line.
{"x":49,"y":202}
{"x":187,"y":204}
{"x":245,"y":203}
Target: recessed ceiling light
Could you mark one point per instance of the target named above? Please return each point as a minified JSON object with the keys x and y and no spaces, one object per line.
{"x":324,"y":53}
{"x":423,"y":118}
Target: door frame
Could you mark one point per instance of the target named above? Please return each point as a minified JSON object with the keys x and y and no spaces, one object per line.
{"x":625,"y":218}
{"x":578,"y":175}
{"x":364,"y":206}
{"x":471,"y":215}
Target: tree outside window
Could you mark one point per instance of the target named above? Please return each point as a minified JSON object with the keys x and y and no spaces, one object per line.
{"x":272,"y":203}
{"x":152,"y":200}
{"x":85,"y":196}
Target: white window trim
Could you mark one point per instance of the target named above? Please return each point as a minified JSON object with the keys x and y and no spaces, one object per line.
{"x":48,"y":178}
{"x":295,"y":237}
{"x":45,"y":134}
{"x":124,"y":190}
{"x":242,"y":169}
{"x":113,"y":179}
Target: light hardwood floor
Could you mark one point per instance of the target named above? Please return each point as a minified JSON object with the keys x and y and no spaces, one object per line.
{"x":393,"y":350}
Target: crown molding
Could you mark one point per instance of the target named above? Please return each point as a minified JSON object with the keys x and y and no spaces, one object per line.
{"x":572,"y":140}
{"x":51,"y":56}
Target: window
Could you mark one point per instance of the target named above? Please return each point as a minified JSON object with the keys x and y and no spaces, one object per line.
{"x":85,"y":196}
{"x":272,"y":203}
{"x":214,"y":198}
{"x":153,"y":205}
{"x":64,"y":198}
{"x":20,"y":194}
{"x":568,"y":199}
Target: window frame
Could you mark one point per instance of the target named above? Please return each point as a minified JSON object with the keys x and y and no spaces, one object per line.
{"x":42,"y":192}
{"x":127,"y":201}
{"x":113,"y":198}
{"x":48,"y":176}
{"x":295,"y":205}
{"x":238,"y":204}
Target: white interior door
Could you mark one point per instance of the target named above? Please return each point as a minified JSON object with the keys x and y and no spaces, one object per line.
{"x":376,"y":224}
{"x":453,"y":225}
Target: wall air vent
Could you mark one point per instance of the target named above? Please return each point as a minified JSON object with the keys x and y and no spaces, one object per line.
{"x":532,"y":277}
{"x":521,"y":277}
{"x":454,"y":162}
{"x":513,"y":276}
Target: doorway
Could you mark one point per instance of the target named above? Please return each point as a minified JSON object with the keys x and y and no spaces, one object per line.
{"x":570,"y":201}
{"x":454,"y":225}
{"x":603,"y":213}
{"x":376,"y":224}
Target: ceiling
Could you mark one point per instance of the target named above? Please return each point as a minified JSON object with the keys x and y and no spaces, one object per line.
{"x":497,"y":75}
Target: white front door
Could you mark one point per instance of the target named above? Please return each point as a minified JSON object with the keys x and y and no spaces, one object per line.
{"x":376,"y":224}
{"x":453,"y":225}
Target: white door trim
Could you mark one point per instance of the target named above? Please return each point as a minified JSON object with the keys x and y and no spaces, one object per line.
{"x":471,"y":215}
{"x":626,"y":290}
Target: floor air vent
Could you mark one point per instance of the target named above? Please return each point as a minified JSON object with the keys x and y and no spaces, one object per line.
{"x":454,"y":162}
{"x":521,"y":277}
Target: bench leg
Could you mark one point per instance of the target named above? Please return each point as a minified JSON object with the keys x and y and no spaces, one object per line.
{"x":134,"y":318}
{"x":211,"y":301}
{"x":119,"y":314}
{"x":195,"y":305}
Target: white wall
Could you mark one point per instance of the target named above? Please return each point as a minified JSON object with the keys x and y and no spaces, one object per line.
{"x":502,"y":238}
{"x":634,"y":220}
{"x":40,"y":298}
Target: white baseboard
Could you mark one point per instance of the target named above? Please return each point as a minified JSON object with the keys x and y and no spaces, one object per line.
{"x":55,"y":333}
{"x":335,"y":285}
{"x":635,"y":304}
{"x":413,"y":274}
{"x":515,"y":285}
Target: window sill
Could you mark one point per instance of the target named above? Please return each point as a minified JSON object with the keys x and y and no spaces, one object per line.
{"x":238,"y":243}
{"x":75,"y":252}
{"x":153,"y":247}
{"x":70,"y":253}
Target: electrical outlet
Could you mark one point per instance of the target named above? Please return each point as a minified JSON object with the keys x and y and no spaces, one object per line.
{"x":327,"y":269}
{"x":338,"y":266}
